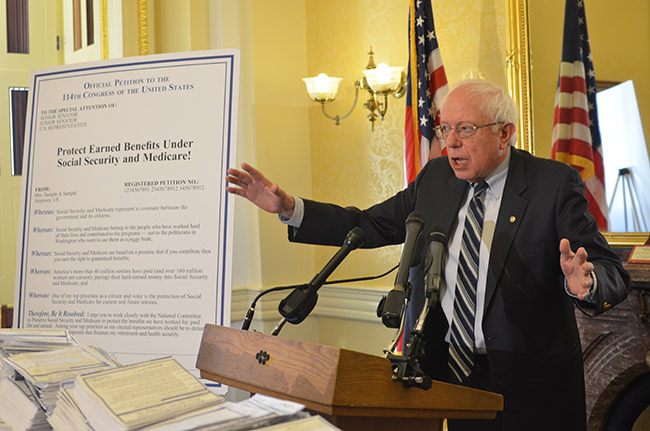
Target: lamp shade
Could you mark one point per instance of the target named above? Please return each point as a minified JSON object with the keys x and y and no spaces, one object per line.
{"x":383,"y":78}
{"x":322,"y":88}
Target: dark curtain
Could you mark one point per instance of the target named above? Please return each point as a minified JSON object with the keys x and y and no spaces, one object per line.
{"x":18,"y":112}
{"x":17,"y":27}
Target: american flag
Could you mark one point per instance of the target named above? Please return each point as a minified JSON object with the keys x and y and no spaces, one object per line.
{"x":576,"y":136}
{"x":426,"y":88}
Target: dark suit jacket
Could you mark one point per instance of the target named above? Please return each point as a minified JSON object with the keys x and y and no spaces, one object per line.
{"x":531,"y":335}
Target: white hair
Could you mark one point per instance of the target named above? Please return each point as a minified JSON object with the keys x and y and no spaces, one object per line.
{"x":495,"y":102}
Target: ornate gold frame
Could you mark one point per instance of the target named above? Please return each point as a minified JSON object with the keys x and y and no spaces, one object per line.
{"x":143,"y":27}
{"x":520,"y":84}
{"x":518,"y":61}
{"x":103,"y":13}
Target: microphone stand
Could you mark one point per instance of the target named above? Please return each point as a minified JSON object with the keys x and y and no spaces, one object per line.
{"x":398,"y":335}
{"x":278,"y":326}
{"x":406,"y":367}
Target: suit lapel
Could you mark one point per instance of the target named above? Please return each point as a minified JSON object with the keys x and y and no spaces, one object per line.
{"x":442,"y":203}
{"x":509,"y":219}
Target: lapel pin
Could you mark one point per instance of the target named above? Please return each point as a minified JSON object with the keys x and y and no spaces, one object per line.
{"x":512,"y":219}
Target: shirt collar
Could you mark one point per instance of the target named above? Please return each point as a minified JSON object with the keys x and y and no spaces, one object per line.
{"x":497,"y":178}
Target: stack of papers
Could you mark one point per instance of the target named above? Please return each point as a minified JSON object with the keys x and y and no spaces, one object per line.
{"x":44,"y":371}
{"x":131,"y":397}
{"x":160,"y":395}
{"x":34,"y":340}
{"x":19,"y":409}
{"x":32,"y":381}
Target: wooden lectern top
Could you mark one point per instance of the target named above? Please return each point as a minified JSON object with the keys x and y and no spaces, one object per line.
{"x":330,"y":380}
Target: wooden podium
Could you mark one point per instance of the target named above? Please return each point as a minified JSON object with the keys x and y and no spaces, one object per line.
{"x":352,"y":390}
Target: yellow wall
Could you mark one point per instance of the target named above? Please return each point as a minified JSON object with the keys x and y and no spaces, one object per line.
{"x":281,"y":130}
{"x":273,"y":124}
{"x":183,"y":25}
{"x":620,"y":43}
{"x":352,"y":165}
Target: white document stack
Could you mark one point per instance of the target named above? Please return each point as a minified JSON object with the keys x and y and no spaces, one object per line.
{"x":33,"y":340}
{"x":131,"y":397}
{"x":33,"y":365}
{"x":18,"y":407}
{"x":44,"y":371}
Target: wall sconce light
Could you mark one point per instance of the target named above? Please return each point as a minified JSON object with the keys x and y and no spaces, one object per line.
{"x":378,"y":81}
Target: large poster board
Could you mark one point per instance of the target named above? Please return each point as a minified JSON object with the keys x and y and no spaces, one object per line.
{"x":125,"y":234}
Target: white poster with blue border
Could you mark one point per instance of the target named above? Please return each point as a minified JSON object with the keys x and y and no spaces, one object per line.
{"x":125,"y":232}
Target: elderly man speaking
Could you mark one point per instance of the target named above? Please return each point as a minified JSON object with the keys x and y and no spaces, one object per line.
{"x":505,"y":321}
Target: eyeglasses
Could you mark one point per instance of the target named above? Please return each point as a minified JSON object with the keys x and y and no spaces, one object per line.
{"x":463,"y":130}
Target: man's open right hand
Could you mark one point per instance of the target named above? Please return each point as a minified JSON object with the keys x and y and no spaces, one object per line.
{"x":254,"y":186}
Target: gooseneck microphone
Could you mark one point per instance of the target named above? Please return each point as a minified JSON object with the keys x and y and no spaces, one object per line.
{"x":436,"y":249}
{"x":353,"y":240}
{"x":299,"y":303}
{"x":394,"y":302}
{"x":434,"y":266}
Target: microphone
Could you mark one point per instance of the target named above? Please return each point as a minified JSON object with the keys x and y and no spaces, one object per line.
{"x":353,"y":240}
{"x":246,"y":324}
{"x":299,"y":303}
{"x":436,"y":248}
{"x":251,"y":308}
{"x":433,"y":264}
{"x":393,"y":302}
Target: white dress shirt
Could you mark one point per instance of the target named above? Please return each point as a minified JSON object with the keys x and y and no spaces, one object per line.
{"x":491,"y":203}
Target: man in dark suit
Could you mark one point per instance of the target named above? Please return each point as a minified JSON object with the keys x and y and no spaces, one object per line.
{"x":524,"y":340}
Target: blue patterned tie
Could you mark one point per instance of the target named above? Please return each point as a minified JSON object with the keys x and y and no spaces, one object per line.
{"x":461,"y":349}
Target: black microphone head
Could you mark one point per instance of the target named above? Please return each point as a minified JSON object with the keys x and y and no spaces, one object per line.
{"x":436,"y":233}
{"x":415,"y":217}
{"x":355,"y":238}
